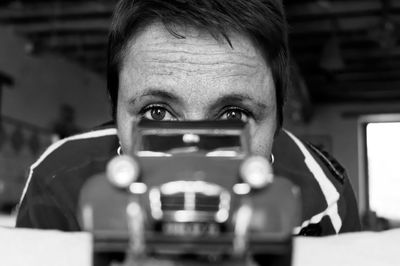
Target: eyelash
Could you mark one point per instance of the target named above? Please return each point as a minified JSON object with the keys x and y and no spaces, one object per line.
{"x":226,"y":109}
{"x":151,"y":107}
{"x":247,"y":113}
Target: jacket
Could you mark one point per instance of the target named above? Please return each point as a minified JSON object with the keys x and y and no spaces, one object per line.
{"x":50,"y":196}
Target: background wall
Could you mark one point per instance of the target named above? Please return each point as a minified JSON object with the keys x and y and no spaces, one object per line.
{"x":338,"y":124}
{"x":44,"y":82}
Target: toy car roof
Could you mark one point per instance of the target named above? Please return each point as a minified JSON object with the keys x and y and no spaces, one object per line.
{"x":192,"y":124}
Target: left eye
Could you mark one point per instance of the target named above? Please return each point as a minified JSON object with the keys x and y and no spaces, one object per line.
{"x":158,"y":113}
{"x":235,"y":114}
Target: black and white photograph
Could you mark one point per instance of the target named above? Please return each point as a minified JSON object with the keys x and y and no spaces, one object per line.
{"x":199,"y":132}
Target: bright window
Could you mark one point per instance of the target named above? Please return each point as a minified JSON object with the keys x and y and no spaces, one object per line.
{"x":383,"y":151}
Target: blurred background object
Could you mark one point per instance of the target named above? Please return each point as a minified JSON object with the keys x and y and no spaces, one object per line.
{"x":65,"y":124}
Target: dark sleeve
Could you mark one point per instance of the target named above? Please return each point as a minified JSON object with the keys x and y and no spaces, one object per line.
{"x":350,"y":214}
{"x":347,"y":204}
{"x":39,"y":209}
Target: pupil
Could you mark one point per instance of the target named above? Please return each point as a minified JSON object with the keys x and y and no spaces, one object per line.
{"x":234,"y":115}
{"x":158,"y":114}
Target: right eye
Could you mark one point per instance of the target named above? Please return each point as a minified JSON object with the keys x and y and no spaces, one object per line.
{"x":157,"y":113}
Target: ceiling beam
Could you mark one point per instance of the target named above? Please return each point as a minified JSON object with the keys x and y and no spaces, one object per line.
{"x":65,"y":33}
{"x":349,"y":91}
{"x":343,"y":25}
{"x":317,"y":11}
{"x":361,"y":76}
{"x":55,"y":41}
{"x":313,"y":69}
{"x":317,"y":42}
{"x":367,"y":56}
{"x":320,"y":10}
{"x":59,"y":26}
{"x":46,"y":12}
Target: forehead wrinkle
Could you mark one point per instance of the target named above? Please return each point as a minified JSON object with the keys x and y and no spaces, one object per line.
{"x":210,"y":70}
{"x":227,"y":63}
{"x":171,"y":56}
{"x":187,"y":54}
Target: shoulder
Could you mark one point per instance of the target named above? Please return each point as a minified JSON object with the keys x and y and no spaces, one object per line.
{"x":72,"y":151}
{"x":326,"y":192}
{"x":305,"y":157}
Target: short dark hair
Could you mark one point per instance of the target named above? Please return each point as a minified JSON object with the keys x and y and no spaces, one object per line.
{"x":263,"y":20}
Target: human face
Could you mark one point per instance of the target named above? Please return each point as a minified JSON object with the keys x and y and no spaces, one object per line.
{"x":196,"y":78}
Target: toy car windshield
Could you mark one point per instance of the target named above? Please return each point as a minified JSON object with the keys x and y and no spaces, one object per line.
{"x":168,"y":140}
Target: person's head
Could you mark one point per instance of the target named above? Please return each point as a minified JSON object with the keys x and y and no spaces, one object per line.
{"x":199,"y":59}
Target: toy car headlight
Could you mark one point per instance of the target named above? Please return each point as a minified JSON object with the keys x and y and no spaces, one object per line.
{"x":122,"y":171}
{"x":257,"y":172}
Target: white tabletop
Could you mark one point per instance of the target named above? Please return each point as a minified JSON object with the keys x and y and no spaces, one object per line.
{"x":351,"y":249}
{"x":20,"y":247}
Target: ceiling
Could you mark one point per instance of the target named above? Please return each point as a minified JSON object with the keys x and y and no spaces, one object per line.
{"x":345,"y":50}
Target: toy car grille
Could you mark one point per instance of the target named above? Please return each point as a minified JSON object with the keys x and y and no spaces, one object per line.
{"x":189,"y":201}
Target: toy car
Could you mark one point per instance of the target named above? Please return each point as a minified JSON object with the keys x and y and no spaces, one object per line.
{"x":192,"y":188}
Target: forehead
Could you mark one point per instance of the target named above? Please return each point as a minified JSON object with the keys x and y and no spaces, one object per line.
{"x":154,"y":42}
{"x":197,"y":68}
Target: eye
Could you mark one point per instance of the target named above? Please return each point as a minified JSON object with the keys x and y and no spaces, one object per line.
{"x":158,"y":113}
{"x":235,"y":113}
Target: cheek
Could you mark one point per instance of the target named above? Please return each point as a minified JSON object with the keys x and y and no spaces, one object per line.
{"x":262,"y":137}
{"x":124,"y":126}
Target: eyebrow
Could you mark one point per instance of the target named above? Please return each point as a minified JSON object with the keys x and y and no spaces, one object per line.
{"x":236,"y":98}
{"x":159,"y":93}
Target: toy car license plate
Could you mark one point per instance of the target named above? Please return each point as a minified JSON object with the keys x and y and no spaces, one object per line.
{"x":191,"y":229}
